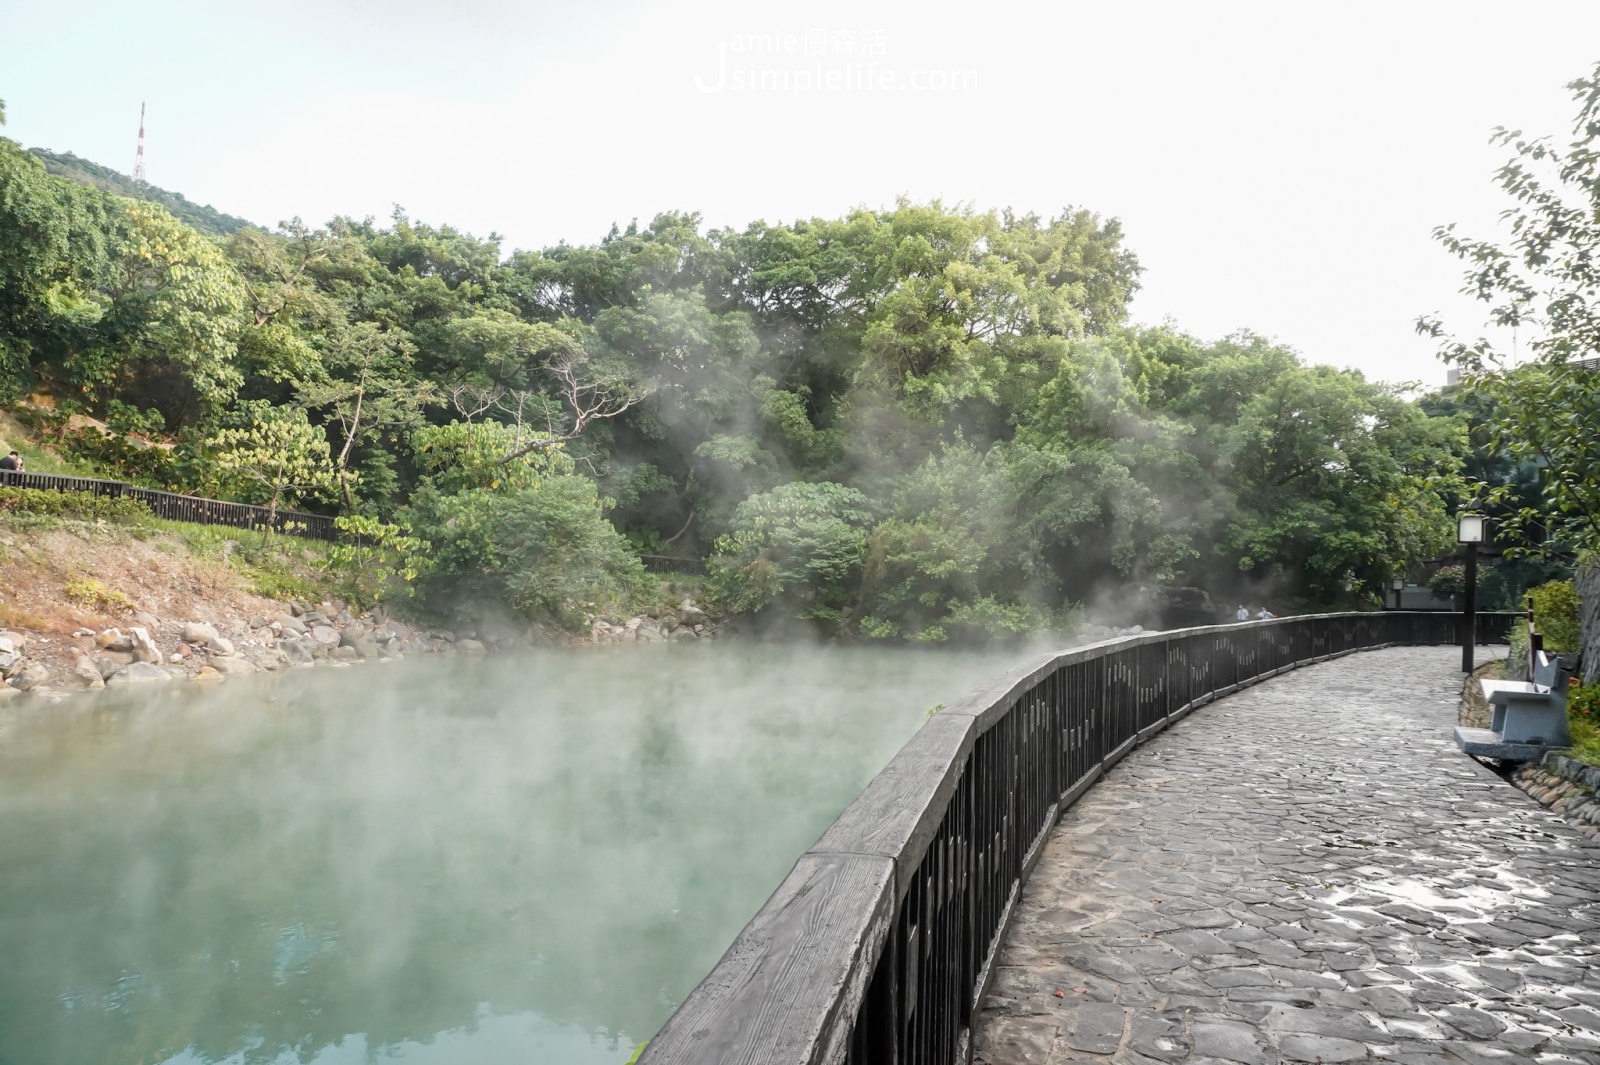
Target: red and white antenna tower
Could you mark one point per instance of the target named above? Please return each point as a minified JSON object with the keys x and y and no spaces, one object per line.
{"x":138,"y":160}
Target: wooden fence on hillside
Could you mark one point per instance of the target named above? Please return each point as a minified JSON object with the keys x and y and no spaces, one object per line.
{"x":175,"y":507}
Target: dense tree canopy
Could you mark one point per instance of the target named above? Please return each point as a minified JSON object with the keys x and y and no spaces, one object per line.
{"x":922,"y":422}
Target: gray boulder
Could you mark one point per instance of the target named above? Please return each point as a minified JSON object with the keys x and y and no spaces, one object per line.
{"x":351,"y":633}
{"x":85,"y":674}
{"x":232,"y":665}
{"x":290,"y":623}
{"x":220,"y":645}
{"x":689,"y":614}
{"x":471,"y":647}
{"x":366,"y":647}
{"x":108,"y":665}
{"x":31,"y":675}
{"x":198,"y":633}
{"x":326,"y":635}
{"x":296,"y":652}
{"x":140,"y":673}
{"x":13,"y":642}
{"x":344,"y":654}
{"x":10,"y":662}
{"x":144,"y":648}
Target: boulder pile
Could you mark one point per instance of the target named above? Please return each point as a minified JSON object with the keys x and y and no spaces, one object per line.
{"x":300,"y":636}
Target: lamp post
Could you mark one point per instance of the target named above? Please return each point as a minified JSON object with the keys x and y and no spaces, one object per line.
{"x":1399,"y":586}
{"x":1469,"y":533}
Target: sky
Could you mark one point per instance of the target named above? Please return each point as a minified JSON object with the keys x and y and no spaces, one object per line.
{"x":1276,"y":166}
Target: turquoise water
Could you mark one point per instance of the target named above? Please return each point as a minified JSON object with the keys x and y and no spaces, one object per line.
{"x":499,"y":860}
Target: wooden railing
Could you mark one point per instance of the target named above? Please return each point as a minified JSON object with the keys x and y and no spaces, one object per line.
{"x":878,"y":946}
{"x":177,"y":507}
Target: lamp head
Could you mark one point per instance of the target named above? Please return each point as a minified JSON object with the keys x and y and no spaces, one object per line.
{"x":1470,"y":529}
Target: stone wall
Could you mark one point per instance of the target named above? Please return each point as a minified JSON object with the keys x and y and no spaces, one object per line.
{"x":1588,"y":585}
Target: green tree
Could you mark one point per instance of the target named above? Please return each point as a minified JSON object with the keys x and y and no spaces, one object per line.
{"x":278,"y":457}
{"x":1545,"y":284}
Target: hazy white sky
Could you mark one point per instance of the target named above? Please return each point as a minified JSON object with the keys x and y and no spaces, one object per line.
{"x":1277,"y":166}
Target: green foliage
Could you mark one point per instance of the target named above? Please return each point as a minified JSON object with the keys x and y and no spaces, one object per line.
{"x":921,"y":422}
{"x":276,"y":458}
{"x":92,"y":594}
{"x":800,"y":543}
{"x":1555,"y":615}
{"x":372,"y":557}
{"x":541,"y":546}
{"x":1545,"y":283}
{"x":73,"y":506}
{"x":205,"y":219}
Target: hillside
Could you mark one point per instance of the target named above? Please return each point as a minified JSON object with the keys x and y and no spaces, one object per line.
{"x":206,"y":219}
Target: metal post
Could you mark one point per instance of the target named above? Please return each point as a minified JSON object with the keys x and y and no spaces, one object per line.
{"x":1469,"y":613}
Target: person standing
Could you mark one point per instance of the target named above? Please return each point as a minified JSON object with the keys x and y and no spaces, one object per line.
{"x":1244,"y":613}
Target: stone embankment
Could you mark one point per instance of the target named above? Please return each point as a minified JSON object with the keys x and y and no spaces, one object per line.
{"x":149,"y":650}
{"x":1567,"y":786}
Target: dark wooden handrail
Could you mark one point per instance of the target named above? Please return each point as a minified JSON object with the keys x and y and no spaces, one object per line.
{"x":878,"y":945}
{"x":177,"y":507}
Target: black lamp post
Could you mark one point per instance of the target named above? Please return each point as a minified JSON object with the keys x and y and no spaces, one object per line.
{"x":1399,"y":587}
{"x":1470,"y":533}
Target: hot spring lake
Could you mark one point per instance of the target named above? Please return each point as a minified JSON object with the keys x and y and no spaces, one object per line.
{"x":505,"y":860}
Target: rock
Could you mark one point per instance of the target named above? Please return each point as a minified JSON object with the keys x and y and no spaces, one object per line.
{"x":198,"y":633}
{"x":689,"y":614}
{"x":13,"y":641}
{"x":682,"y":633}
{"x":295,"y":652}
{"x":366,"y":647}
{"x":121,"y":658}
{"x":147,"y":621}
{"x":10,"y":662}
{"x":139,"y":673}
{"x":259,"y":621}
{"x":471,"y":647}
{"x":207,"y":673}
{"x":144,"y":648}
{"x":114,"y":640}
{"x":30,"y":675}
{"x":442,"y":634}
{"x":85,"y":674}
{"x":290,"y":624}
{"x":221,"y":645}
{"x":649,"y":634}
{"x":326,"y":635}
{"x":232,"y":665}
{"x":108,"y":665}
{"x":82,"y":632}
{"x":344,"y":654}
{"x":352,"y":632}
{"x":296,"y":608}
{"x":312,"y":618}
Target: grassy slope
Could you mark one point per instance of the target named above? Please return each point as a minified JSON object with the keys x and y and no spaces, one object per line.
{"x":59,"y":574}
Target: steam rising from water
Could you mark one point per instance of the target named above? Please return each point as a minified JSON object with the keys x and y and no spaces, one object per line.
{"x":524,"y":860}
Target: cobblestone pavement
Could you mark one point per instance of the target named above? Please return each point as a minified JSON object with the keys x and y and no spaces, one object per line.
{"x":1306,"y":871}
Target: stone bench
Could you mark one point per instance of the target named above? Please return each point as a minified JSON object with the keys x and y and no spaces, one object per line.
{"x":1528,"y":717}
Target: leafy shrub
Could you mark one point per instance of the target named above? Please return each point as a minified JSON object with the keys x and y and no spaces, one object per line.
{"x":372,"y":555}
{"x":77,"y":506}
{"x":92,"y":594}
{"x":1555,"y":615}
{"x":1583,"y":701}
{"x":1450,"y":582}
{"x":802,"y":543}
{"x":543,"y":549}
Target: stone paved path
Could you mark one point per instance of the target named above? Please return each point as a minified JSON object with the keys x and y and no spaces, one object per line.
{"x":1306,"y":871}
